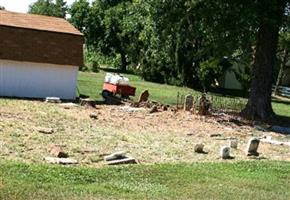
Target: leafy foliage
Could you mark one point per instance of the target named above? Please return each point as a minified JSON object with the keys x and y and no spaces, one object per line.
{"x":57,"y":8}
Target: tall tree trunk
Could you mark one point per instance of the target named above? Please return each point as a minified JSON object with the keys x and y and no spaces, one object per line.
{"x":280,"y":75}
{"x":259,"y":103}
{"x":124,"y":62}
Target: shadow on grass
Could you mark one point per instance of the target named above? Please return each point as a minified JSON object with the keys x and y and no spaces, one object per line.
{"x":283,"y":121}
{"x":232,"y":93}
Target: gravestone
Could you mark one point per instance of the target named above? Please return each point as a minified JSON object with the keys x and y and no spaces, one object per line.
{"x":252,"y":147}
{"x":225,"y":152}
{"x":204,"y":105}
{"x":198,"y":148}
{"x":233,"y":143}
{"x":144,"y":96}
{"x":188,"y":102}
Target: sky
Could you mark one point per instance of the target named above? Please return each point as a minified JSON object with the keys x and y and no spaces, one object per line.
{"x":20,"y":5}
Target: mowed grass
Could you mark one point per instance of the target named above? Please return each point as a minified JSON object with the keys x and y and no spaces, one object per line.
{"x":244,"y":180}
{"x":90,"y":84}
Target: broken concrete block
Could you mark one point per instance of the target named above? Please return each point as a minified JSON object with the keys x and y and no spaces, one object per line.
{"x":154,"y":109}
{"x":215,"y":135}
{"x":252,"y":147}
{"x":69,"y":105}
{"x":62,"y":161}
{"x":225,"y":152}
{"x":126,"y":160}
{"x":45,"y":130}
{"x":93,"y":116}
{"x":88,"y":102}
{"x":56,"y":151}
{"x":52,"y":100}
{"x":114,"y":156}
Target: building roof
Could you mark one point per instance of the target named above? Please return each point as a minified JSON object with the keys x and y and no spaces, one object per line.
{"x":37,"y":22}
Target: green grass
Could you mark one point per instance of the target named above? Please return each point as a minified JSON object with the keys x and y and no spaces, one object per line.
{"x":90,"y":84}
{"x":244,"y":180}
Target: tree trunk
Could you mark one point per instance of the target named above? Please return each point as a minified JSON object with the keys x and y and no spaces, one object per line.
{"x":124,"y":62}
{"x":280,"y":75}
{"x":259,"y":103}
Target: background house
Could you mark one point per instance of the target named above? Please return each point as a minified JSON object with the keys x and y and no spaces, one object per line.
{"x":39,"y":56}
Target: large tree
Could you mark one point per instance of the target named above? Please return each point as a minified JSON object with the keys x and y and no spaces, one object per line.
{"x":270,"y":15}
{"x":2,"y":7}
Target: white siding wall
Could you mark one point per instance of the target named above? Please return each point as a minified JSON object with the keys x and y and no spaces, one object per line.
{"x":37,"y":80}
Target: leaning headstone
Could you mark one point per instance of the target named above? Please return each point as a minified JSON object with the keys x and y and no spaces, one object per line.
{"x":252,"y":147}
{"x":188,"y":102}
{"x":225,"y":152}
{"x":144,"y":96}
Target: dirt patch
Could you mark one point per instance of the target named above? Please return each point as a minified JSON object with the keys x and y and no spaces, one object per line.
{"x":159,"y":137}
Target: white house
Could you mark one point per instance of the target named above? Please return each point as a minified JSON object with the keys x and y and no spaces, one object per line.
{"x":39,"y":56}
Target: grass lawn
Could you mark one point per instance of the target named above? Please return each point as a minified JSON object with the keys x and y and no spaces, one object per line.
{"x":244,"y":180}
{"x":147,"y":140}
{"x":91,"y":84}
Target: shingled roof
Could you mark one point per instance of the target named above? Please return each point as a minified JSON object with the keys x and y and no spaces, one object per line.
{"x":37,"y":22}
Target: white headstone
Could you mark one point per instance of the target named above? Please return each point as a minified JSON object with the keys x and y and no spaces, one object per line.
{"x":225,"y":152}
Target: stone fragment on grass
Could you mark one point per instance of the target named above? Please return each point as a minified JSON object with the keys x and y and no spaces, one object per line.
{"x":114,"y":156}
{"x":62,"y":161}
{"x":88,"y":102}
{"x":52,"y":100}
{"x":215,"y":135}
{"x":154,"y":109}
{"x":68,"y":105}
{"x":45,"y":130}
{"x":56,"y":151}
{"x":126,"y":160}
{"x":93,"y":116}
{"x":252,"y":147}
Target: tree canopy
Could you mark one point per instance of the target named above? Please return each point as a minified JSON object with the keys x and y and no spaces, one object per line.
{"x":57,"y":8}
{"x":186,"y":42}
